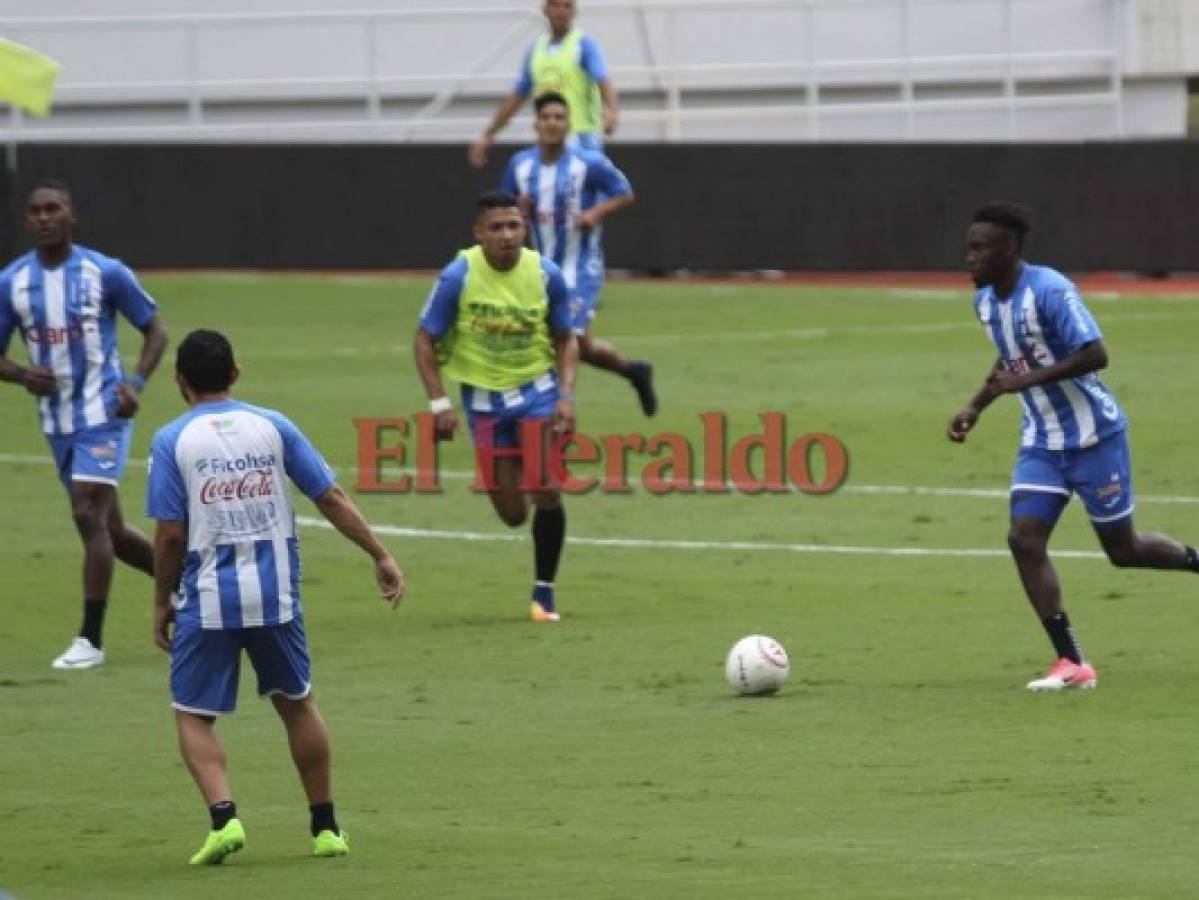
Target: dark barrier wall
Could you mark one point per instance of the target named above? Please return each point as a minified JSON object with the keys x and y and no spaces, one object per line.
{"x":1098,"y":206}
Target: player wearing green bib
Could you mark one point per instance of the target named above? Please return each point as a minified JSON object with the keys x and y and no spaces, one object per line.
{"x":498,"y":321}
{"x":568,"y":62}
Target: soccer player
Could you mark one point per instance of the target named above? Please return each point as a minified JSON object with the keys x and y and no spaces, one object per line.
{"x":226,"y":540}
{"x":1073,"y":438}
{"x":567,"y":62}
{"x":498,"y":321}
{"x":63,"y":299}
{"x":566,"y":194}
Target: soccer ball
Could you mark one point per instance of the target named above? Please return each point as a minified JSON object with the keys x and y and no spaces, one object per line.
{"x":757,"y":665}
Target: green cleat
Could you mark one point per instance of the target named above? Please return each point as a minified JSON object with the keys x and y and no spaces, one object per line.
{"x":220,"y":844}
{"x":330,"y":843}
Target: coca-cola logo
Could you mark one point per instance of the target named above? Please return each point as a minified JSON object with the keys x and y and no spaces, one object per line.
{"x":259,"y":483}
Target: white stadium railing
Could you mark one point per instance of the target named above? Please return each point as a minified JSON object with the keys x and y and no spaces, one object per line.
{"x":695,"y":70}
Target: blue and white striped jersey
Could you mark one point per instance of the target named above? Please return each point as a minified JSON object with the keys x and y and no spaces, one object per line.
{"x":67,"y":318}
{"x":221,"y":468}
{"x":1042,"y":322}
{"x":558,"y":192}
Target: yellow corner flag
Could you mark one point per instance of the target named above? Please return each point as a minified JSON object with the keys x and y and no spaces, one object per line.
{"x":27,"y":78}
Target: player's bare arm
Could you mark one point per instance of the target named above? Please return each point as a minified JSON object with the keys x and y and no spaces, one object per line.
{"x":566,"y":350}
{"x":170,"y":547}
{"x":445,"y":421}
{"x":611,"y":106}
{"x":154,"y":344}
{"x":341,"y":512}
{"x":508,"y":108}
{"x":39,"y":380}
{"x":963,"y":421}
{"x":1090,"y":358}
{"x":590,"y":218}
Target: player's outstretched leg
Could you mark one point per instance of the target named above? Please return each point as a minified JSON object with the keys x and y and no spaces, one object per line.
{"x":1128,"y":550}
{"x":128,"y":544}
{"x":640,"y":373}
{"x":1029,"y":543}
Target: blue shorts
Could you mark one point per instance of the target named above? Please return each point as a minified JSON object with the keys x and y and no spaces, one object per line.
{"x":206,"y":665}
{"x":495,"y":416}
{"x":584,"y":301}
{"x":1044,"y":480}
{"x":95,"y":454}
{"x":590,"y":140}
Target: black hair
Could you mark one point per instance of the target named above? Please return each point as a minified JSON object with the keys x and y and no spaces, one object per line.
{"x":52,"y":184}
{"x":1010,"y":216}
{"x":205,"y":360}
{"x":550,"y":97}
{"x":494,"y":200}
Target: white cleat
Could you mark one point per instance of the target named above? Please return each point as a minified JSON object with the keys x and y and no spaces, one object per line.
{"x":80,"y":655}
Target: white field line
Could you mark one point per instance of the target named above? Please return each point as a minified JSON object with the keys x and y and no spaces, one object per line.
{"x":690,"y":545}
{"x":650,"y":544}
{"x":896,"y":490}
{"x":815,"y":332}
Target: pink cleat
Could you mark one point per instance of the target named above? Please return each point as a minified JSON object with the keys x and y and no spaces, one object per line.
{"x":1066,"y":673}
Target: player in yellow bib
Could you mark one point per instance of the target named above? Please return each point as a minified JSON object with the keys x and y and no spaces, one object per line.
{"x":498,"y":321}
{"x":568,"y":62}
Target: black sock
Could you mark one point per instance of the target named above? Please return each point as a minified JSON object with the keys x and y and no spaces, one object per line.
{"x":1192,"y":558}
{"x":221,"y":813}
{"x":93,"y":620}
{"x":323,"y":819}
{"x":1058,"y":628}
{"x":549,"y":533}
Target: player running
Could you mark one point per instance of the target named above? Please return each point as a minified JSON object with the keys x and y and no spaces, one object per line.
{"x":567,"y":194}
{"x":1074,"y":434}
{"x":498,"y":321}
{"x":226,"y":538}
{"x":63,"y":299}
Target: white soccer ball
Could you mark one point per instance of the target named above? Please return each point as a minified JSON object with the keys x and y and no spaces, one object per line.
{"x":757,"y":665}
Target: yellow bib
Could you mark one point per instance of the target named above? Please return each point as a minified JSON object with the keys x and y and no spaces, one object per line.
{"x":561,"y":72}
{"x":501,"y":338}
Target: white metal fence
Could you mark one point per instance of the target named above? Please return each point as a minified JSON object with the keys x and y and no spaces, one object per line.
{"x":686,"y":69}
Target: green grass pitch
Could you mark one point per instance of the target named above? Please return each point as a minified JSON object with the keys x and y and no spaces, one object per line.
{"x":479,"y":755}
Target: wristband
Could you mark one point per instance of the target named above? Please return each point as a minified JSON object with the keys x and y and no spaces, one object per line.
{"x":566,"y":395}
{"x":137,"y":382}
{"x":440,"y":405}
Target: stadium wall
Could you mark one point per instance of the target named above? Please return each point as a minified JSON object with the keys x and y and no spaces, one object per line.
{"x":703,"y":208}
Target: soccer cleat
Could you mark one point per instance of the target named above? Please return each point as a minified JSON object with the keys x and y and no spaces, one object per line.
{"x":1065,"y":673}
{"x":80,"y":655}
{"x":220,"y":844}
{"x":539,"y":613}
{"x":641,"y":374}
{"x":330,"y":843}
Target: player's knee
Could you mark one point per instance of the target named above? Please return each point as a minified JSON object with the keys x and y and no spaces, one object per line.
{"x":88,"y":516}
{"x":1025,"y":544}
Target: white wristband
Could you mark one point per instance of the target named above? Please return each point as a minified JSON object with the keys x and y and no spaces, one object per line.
{"x":440,"y":405}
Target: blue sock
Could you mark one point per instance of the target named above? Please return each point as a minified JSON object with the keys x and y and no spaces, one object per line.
{"x":543,"y":593}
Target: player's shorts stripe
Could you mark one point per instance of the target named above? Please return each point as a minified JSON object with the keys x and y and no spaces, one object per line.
{"x":94,"y":479}
{"x":1100,"y":520}
{"x":1041,"y":488}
